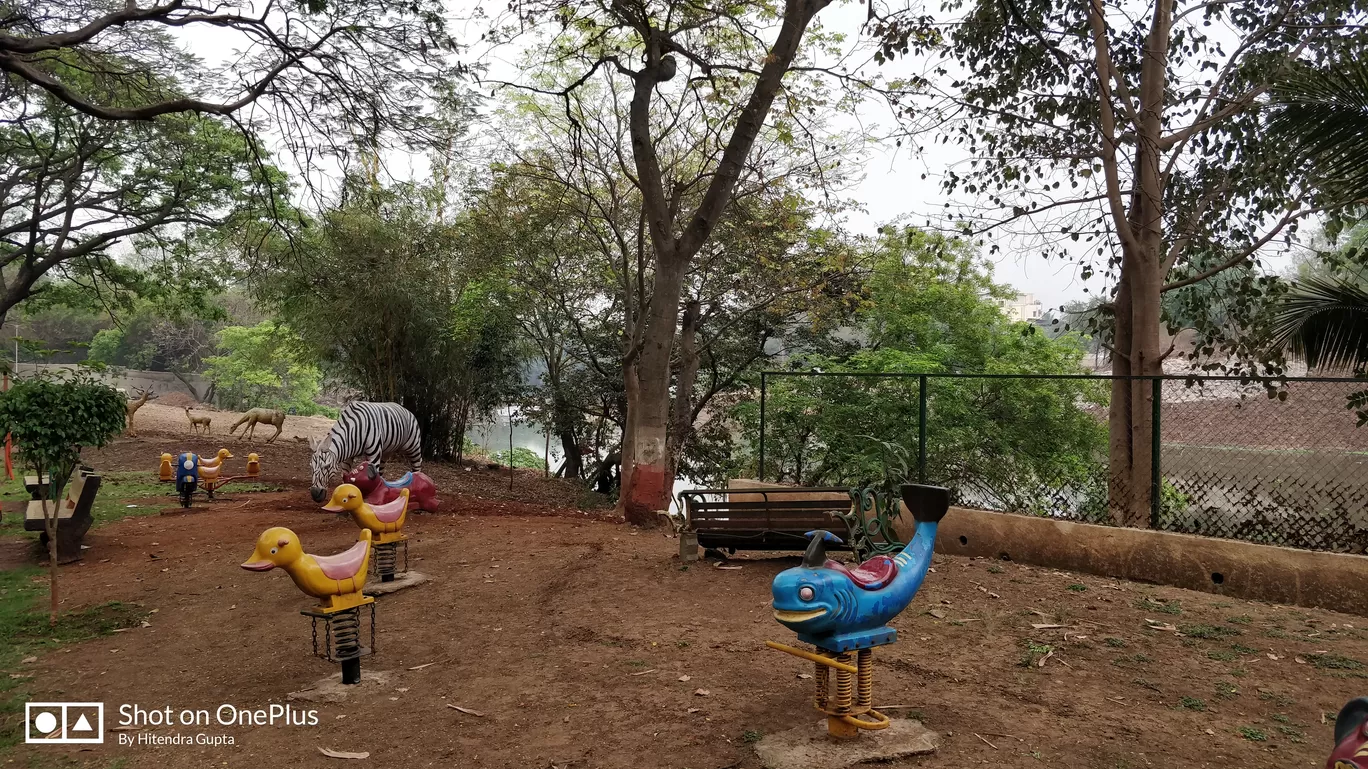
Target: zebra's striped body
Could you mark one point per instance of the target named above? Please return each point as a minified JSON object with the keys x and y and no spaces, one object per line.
{"x":366,"y":430}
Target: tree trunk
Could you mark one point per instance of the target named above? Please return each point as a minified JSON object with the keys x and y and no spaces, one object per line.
{"x":647,"y":487}
{"x":50,"y":524}
{"x":573,"y":466}
{"x":681,"y":416}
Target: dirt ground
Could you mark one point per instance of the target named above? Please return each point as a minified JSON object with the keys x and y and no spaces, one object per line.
{"x":584,"y":643}
{"x":155,"y":418}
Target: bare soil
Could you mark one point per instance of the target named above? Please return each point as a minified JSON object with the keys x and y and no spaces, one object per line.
{"x":585,"y":643}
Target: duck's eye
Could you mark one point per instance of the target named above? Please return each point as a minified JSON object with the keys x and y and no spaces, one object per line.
{"x":273,"y":552}
{"x":806,"y":593}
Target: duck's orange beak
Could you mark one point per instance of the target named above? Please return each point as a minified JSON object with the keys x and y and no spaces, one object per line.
{"x":258,"y":566}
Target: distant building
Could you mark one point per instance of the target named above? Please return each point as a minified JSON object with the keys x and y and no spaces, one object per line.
{"x":1025,"y":307}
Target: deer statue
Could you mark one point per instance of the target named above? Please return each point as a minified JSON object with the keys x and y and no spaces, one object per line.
{"x":197,"y":422}
{"x":143,"y":397}
{"x":273,"y":417}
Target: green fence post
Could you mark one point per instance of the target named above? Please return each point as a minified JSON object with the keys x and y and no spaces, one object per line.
{"x":760,"y":471}
{"x":1156,"y":441}
{"x":921,"y":429}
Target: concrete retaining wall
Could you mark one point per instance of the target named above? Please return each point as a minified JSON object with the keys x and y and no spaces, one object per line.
{"x":161,"y":382}
{"x":1226,"y":567}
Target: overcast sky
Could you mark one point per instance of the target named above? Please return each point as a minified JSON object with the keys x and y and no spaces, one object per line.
{"x":893,"y":186}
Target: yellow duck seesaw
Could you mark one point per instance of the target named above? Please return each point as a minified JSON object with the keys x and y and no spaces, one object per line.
{"x":336,"y":578}
{"x":385,"y":521}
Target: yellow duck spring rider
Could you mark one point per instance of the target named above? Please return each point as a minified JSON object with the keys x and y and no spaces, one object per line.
{"x":385,"y":521}
{"x":337,"y":580}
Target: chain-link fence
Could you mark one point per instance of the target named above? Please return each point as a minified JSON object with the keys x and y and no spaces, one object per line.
{"x":1279,"y":462}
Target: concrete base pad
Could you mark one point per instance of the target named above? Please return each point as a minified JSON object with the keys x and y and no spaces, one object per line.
{"x":331,"y":689}
{"x":401,"y":581}
{"x":810,"y":747}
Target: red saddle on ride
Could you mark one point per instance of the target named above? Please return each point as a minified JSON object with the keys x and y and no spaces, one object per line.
{"x":873,"y":574}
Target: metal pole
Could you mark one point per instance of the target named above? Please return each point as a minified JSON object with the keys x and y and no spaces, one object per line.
{"x":510,"y":448}
{"x":1156,"y":441}
{"x":921,"y":429}
{"x":760,"y":471}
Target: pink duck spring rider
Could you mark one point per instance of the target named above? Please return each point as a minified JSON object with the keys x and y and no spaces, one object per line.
{"x":378,"y":491}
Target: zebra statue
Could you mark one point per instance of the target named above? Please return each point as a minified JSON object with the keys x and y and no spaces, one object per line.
{"x":365,"y":431}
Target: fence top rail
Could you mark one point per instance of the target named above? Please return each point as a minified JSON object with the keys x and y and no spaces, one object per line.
{"x":1101,"y":377}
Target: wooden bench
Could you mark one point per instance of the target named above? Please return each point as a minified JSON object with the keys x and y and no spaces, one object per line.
{"x":73,"y":514}
{"x":759,"y":519}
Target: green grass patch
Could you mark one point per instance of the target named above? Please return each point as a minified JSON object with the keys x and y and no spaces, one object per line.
{"x":1077,"y":587}
{"x":1253,"y":734}
{"x":1243,"y":619}
{"x":117,"y":491}
{"x":751,"y":736}
{"x":1226,"y":690}
{"x":1333,"y":662}
{"x":1207,"y":631}
{"x":1239,"y":649}
{"x":995,"y":569}
{"x":1163,"y":607}
{"x":1222,"y":656}
{"x":1115,"y":643}
{"x":1191,"y":703}
{"x":25,"y":632}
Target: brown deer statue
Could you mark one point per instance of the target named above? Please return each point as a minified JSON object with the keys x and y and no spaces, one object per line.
{"x":273,"y":417}
{"x":143,"y":397}
{"x":198,"y":422}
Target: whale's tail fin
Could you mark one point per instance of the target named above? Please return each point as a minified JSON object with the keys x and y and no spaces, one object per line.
{"x":816,"y":551}
{"x":927,"y":503}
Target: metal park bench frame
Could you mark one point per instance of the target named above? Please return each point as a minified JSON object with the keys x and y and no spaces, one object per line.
{"x":779,"y":519}
{"x":74,"y":516}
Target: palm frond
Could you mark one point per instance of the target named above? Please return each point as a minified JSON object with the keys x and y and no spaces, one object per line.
{"x":1325,"y":322}
{"x":1324,"y":114}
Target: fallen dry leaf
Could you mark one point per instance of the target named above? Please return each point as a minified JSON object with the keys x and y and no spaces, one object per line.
{"x":702,"y":692}
{"x":695,"y":710}
{"x":465,"y":710}
{"x":330,"y":753}
{"x":805,"y":676}
{"x":27,"y":660}
{"x":937,"y":613}
{"x":993,"y":595}
{"x":1048,"y":655}
{"x":1046,"y":627}
{"x":728,"y":568}
{"x":684,"y":678}
{"x":644,"y":672}
{"x":424,"y":665}
{"x":1211,"y":731}
{"x":1299,"y":660}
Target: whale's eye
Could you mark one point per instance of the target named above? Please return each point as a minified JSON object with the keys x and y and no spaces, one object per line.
{"x":273,"y":551}
{"x":805,"y":593}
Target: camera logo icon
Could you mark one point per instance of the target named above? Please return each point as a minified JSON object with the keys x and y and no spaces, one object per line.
{"x":64,"y":723}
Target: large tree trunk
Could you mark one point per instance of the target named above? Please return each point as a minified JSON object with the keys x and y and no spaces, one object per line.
{"x":647,"y":486}
{"x":686,"y":376}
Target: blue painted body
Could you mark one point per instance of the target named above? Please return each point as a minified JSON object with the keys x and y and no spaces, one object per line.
{"x":402,"y":483}
{"x":840,"y":615}
{"x":187,"y":470}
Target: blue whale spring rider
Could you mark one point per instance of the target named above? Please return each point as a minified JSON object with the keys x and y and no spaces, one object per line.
{"x":840,"y":609}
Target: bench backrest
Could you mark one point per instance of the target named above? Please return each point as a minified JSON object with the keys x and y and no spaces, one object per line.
{"x":764,"y":511}
{"x":76,"y":502}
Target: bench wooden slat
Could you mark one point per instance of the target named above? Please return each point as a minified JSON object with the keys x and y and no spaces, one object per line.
{"x":787,"y":504}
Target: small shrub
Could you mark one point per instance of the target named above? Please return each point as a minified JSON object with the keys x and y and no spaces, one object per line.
{"x":1034,"y":651}
{"x":1243,"y":619}
{"x":1293,"y":734}
{"x":1222,"y":656}
{"x":1161,"y":606}
{"x":1191,"y":703}
{"x":1252,"y":734}
{"x":1115,"y":643}
{"x":1280,"y":718}
{"x":751,"y":736}
{"x":1239,"y":649}
{"x":1207,"y":631}
{"x":1077,"y":587}
{"x":1226,"y":690}
{"x":995,"y":569}
{"x":1333,"y":662}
